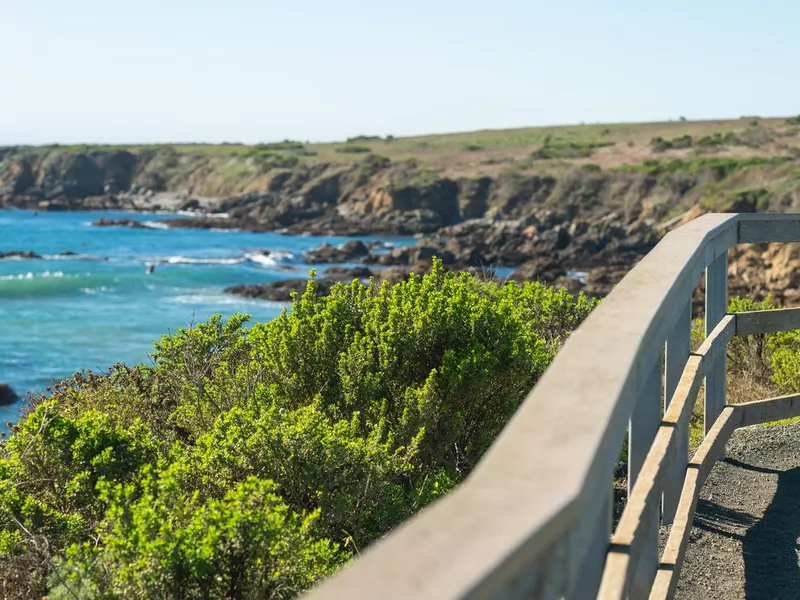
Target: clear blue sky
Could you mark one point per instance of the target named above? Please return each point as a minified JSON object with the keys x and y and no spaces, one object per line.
{"x":258,"y":70}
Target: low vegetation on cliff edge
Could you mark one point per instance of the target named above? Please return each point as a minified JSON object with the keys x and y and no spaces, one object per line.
{"x":251,"y":462}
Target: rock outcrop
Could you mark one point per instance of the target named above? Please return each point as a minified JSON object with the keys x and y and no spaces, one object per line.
{"x":129,"y":223}
{"x":7,"y":395}
{"x":19,"y":254}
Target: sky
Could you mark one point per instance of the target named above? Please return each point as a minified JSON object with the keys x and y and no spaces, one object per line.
{"x":146,"y":71}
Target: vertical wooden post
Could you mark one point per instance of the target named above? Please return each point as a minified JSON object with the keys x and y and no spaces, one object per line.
{"x":677,"y":353}
{"x":716,"y":307}
{"x":586,"y":580}
{"x":645,"y":421}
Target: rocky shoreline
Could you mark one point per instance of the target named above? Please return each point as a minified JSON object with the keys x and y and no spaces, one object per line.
{"x":597,"y":223}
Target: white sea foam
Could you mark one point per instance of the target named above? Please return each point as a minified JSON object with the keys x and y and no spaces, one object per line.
{"x":186,"y":260}
{"x":73,"y":257}
{"x":92,"y":291}
{"x":155,"y":224}
{"x":218,"y":298}
{"x":266,"y":260}
{"x":30,"y":275}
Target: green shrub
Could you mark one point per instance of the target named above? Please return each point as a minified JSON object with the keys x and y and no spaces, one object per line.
{"x":252,"y":462}
{"x":353,"y":149}
{"x":751,"y":354}
{"x":363,"y":138}
{"x":269,"y":159}
{"x":659,"y":144}
{"x":559,"y":149}
{"x":284,"y":145}
{"x":784,"y":349}
{"x":164,"y":543}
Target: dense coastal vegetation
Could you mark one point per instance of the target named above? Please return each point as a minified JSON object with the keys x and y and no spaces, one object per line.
{"x":252,"y":462}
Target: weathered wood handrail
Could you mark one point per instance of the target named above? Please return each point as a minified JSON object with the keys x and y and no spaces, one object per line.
{"x":533,"y":520}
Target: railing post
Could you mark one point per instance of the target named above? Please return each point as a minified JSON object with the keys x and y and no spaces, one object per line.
{"x":644,"y":424}
{"x":586,"y":581}
{"x":716,"y":308}
{"x":677,"y":353}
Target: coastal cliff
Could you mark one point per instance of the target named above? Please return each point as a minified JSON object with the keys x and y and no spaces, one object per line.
{"x":551,"y":202}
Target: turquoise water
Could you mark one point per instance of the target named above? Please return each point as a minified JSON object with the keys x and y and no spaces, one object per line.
{"x":60,"y":315}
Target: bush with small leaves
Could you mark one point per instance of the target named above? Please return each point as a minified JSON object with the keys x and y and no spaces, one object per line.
{"x":252,"y":462}
{"x":165,"y":543}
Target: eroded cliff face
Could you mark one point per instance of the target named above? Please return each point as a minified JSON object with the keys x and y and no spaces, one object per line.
{"x":274,"y":195}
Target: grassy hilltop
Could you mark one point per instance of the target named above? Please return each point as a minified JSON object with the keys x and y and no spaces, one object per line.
{"x":548,"y":149}
{"x":755,"y":159}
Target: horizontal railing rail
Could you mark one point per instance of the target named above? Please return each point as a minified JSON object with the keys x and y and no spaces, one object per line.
{"x":533,"y":520}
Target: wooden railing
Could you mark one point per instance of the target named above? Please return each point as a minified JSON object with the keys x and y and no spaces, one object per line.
{"x":533,"y":520}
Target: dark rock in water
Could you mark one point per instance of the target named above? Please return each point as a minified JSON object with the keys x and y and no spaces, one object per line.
{"x":539,"y":269}
{"x":279,"y":291}
{"x":104,"y":222}
{"x":346,"y":274}
{"x":347,"y":252}
{"x":7,"y":395}
{"x":19,"y":254}
{"x":190,"y":205}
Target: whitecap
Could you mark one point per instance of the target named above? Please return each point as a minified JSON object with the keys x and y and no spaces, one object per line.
{"x":265,"y":260}
{"x":186,"y":260}
{"x":30,"y":275}
{"x":155,"y":224}
{"x":221,"y":299}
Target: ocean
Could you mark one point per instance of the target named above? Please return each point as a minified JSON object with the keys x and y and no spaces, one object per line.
{"x":89,"y":310}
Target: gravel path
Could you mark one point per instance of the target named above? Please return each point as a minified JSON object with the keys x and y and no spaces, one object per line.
{"x":744,"y":543}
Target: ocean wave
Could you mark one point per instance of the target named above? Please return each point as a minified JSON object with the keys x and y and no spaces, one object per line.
{"x":55,"y":283}
{"x":30,"y":275}
{"x":220,"y":298}
{"x":265,"y":260}
{"x":205,"y":215}
{"x":101,"y":290}
{"x":268,"y":259}
{"x":74,"y":257}
{"x":155,"y":224}
{"x":187,"y":260}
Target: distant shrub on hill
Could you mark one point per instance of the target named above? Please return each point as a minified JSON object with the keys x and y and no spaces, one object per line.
{"x":659,"y":144}
{"x":252,"y":462}
{"x":353,"y":149}
{"x":560,"y":149}
{"x":284,"y":145}
{"x":364,"y":138}
{"x":472,"y":147}
{"x":754,"y":137}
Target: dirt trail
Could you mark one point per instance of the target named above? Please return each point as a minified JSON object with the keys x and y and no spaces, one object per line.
{"x":744,"y":543}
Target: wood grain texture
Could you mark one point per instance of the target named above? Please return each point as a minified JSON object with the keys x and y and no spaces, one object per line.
{"x":644,"y":426}
{"x":769,"y":228}
{"x":767,"y":321}
{"x":716,"y":306}
{"x":677,"y":353}
{"x":771,"y":409}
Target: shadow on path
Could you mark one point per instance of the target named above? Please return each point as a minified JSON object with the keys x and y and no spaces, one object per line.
{"x":770,"y":547}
